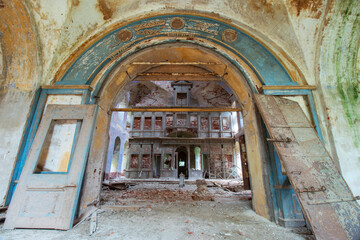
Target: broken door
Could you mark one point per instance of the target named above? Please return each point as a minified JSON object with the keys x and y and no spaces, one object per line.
{"x":327,"y":202}
{"x":49,"y":185}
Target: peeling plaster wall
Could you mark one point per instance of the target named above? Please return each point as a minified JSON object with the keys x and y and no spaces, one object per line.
{"x":339,"y":66}
{"x":49,"y":17}
{"x":266,"y":19}
{"x":18,"y":82}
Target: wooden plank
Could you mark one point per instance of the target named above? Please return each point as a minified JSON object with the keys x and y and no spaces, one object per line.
{"x":86,"y":87}
{"x":178,"y":74}
{"x":177,"y":78}
{"x":264,"y":87}
{"x":175,"y":63}
{"x":176,"y":109}
{"x":311,"y":171}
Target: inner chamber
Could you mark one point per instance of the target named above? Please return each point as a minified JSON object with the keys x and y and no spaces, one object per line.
{"x":176,"y":118}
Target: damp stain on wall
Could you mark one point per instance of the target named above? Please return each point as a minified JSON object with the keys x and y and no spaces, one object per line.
{"x":105,"y":9}
{"x":312,"y":7}
{"x":347,"y":65}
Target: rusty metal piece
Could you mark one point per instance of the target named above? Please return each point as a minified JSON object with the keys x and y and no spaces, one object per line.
{"x":287,"y":140}
{"x":312,"y":189}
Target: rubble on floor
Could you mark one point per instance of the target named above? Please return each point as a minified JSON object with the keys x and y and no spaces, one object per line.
{"x":156,"y":210}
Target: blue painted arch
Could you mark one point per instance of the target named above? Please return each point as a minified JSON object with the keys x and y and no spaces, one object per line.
{"x":267,"y":67}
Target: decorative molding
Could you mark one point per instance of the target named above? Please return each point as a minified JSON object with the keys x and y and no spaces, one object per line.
{"x":149,"y":24}
{"x":204,"y":26}
{"x":124,"y":35}
{"x":177,"y":23}
{"x":229,"y":35}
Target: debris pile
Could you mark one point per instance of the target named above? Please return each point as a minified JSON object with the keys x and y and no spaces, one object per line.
{"x":202,"y":193}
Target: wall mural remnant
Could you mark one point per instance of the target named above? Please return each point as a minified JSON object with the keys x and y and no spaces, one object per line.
{"x":146,"y":161}
{"x":226,"y":123}
{"x":134,"y":161}
{"x":229,"y":161}
{"x":204,"y":121}
{"x":148,"y":123}
{"x":137,"y":123}
{"x":158,"y":123}
{"x":169,"y":120}
{"x":193,"y":121}
{"x":215,"y":123}
{"x":181,"y":120}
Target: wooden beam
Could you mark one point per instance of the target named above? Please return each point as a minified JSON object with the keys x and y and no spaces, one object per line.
{"x":174,"y":109}
{"x":176,"y":78}
{"x":177,"y":74}
{"x":87,"y":87}
{"x":311,"y":87}
{"x":176,"y":63}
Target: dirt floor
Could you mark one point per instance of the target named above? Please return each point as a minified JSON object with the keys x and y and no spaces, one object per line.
{"x":166,"y":211}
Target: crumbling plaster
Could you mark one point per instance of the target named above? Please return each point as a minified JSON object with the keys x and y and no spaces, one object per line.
{"x":20,"y":79}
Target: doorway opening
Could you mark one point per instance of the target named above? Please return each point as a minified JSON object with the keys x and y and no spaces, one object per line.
{"x":173,"y":127}
{"x":182,"y":161}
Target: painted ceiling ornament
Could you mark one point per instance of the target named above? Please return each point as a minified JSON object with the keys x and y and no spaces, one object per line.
{"x":204,"y":26}
{"x":124,"y":35}
{"x":177,"y":23}
{"x":229,"y":35}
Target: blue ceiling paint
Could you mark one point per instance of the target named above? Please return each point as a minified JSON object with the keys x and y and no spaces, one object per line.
{"x":98,"y":55}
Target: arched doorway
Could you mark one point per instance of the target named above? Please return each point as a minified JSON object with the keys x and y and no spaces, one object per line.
{"x":240,"y":61}
{"x":232,"y":78}
{"x":182,"y":161}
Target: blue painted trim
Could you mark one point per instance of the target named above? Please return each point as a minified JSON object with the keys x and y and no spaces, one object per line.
{"x":301,"y":92}
{"x":23,"y":148}
{"x":315,"y":116}
{"x":35,"y":115}
{"x":283,"y":204}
